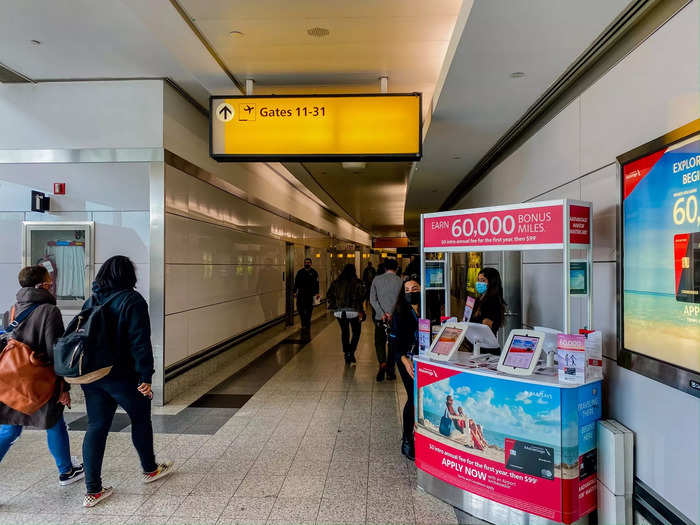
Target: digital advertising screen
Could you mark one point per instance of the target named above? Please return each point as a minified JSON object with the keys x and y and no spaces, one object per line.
{"x":521,"y":351}
{"x":661,"y":254}
{"x":447,"y":340}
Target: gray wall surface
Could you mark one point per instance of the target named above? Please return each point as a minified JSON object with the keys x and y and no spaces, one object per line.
{"x":650,"y":92}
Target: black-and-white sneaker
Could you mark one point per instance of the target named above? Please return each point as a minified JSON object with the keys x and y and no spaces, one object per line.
{"x":90,"y":500}
{"x":76,"y":474}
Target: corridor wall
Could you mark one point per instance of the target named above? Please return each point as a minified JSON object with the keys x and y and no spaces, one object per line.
{"x":651,"y":91}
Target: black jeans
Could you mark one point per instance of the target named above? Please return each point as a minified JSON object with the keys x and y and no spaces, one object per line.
{"x":305,"y":307}
{"x":101,"y":400}
{"x":350,"y":345}
{"x":408,"y":409}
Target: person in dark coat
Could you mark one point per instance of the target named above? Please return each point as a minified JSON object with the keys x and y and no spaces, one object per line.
{"x":306,"y":288}
{"x":404,"y":344}
{"x":40,"y":331}
{"x":129,"y":382}
{"x":346,"y":297}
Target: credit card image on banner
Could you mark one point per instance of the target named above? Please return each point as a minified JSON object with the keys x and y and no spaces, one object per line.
{"x":686,"y":251}
{"x":588,"y":464}
{"x":529,"y":458}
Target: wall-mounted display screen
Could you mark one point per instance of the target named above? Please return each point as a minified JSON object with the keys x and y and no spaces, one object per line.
{"x":661,"y":254}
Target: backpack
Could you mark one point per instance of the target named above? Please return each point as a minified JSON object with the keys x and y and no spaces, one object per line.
{"x":26,"y":381}
{"x":84,"y":354}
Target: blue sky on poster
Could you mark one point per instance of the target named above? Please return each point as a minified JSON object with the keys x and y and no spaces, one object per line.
{"x":508,"y":407}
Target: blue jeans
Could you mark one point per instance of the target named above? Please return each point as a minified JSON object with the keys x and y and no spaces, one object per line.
{"x":101,"y":400}
{"x":57,"y":437}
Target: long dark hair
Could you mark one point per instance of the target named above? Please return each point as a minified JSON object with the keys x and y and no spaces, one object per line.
{"x":402,"y":306}
{"x":117,"y":273}
{"x":348,"y":273}
{"x":495,"y":287}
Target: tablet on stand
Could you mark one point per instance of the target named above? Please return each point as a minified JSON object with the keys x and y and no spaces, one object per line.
{"x":521,"y":352}
{"x":448,"y":341}
{"x":481,"y":336}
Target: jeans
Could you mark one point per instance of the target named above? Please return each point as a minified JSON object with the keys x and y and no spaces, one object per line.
{"x":350,"y":345}
{"x":56,"y":436}
{"x":101,"y":400}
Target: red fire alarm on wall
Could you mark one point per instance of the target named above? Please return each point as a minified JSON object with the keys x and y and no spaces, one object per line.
{"x":59,"y":188}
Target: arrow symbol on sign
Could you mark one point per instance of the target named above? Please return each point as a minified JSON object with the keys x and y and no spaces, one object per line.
{"x":224,"y":111}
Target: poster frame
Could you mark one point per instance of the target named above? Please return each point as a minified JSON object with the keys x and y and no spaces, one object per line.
{"x":665,"y":372}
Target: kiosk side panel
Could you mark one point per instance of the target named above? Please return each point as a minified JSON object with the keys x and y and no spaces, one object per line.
{"x":505,"y":444}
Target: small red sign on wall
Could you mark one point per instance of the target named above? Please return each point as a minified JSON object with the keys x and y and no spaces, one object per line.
{"x":59,"y":188}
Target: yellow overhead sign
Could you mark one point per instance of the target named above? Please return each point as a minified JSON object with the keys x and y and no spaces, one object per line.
{"x":316,"y":127}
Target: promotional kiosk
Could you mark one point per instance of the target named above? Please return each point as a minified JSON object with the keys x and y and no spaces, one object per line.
{"x":503,"y":439}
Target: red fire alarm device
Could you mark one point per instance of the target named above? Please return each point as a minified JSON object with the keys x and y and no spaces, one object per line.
{"x":59,"y":188}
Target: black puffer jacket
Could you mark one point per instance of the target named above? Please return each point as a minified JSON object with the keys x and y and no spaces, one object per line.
{"x":39,"y":331}
{"x":131,"y":333}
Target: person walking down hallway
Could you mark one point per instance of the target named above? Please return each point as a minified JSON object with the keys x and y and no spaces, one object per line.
{"x":306,"y":289}
{"x":38,"y":324}
{"x":346,"y":297}
{"x":383,"y":294}
{"x":128,"y":383}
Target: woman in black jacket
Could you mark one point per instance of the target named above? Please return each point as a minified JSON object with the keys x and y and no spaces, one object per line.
{"x":346,"y":296}
{"x":129,"y":382}
{"x":404,"y":344}
{"x":39,"y":330}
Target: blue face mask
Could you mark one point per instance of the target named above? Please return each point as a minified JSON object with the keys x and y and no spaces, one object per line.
{"x":481,"y":287}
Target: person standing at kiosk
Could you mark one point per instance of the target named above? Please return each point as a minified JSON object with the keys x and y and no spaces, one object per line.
{"x":490,"y":307}
{"x":404,"y":343}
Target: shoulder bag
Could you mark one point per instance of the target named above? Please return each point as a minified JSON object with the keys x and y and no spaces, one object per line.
{"x":27,"y":382}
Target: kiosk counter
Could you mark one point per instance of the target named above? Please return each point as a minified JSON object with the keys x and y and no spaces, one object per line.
{"x":507,"y":449}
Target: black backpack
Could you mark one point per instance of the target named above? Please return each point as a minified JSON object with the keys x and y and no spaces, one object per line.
{"x":84,"y":354}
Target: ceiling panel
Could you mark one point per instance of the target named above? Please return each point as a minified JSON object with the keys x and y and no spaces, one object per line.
{"x":479,"y":101}
{"x":374,"y":196}
{"x":83,"y":39}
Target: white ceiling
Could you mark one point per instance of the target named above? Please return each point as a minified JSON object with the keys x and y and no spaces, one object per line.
{"x":82,"y":39}
{"x":479,"y":101}
{"x":402,"y":39}
{"x":406,"y":40}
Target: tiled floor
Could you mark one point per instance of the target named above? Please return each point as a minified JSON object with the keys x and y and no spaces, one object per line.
{"x":317,"y":443}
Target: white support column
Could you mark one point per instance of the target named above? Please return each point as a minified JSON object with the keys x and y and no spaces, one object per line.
{"x":249,"y":83}
{"x":383,"y":84}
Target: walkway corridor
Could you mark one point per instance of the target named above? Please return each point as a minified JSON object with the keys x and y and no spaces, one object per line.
{"x":317,"y":443}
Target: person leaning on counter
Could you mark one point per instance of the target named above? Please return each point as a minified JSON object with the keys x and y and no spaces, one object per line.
{"x":489,"y":308}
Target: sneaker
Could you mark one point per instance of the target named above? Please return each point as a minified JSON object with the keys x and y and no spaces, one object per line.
{"x":91,"y":500}
{"x":161,"y":471}
{"x":77,"y":473}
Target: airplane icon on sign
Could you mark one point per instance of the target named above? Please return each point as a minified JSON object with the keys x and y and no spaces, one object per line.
{"x":246,"y":111}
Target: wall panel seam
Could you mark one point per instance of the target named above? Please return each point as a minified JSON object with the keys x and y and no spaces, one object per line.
{"x":225,"y":302}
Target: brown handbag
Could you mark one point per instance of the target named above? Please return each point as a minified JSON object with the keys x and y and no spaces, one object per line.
{"x":26,"y":382}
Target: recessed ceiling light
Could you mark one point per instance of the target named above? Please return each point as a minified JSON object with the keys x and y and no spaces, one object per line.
{"x":517,"y":74}
{"x":456,"y":157}
{"x":35,"y":42}
{"x":318,"y":32}
{"x":236,"y":33}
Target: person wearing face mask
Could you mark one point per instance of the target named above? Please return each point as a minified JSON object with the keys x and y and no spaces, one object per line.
{"x":404,"y":344}
{"x":39,"y":325}
{"x":489,"y":308}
